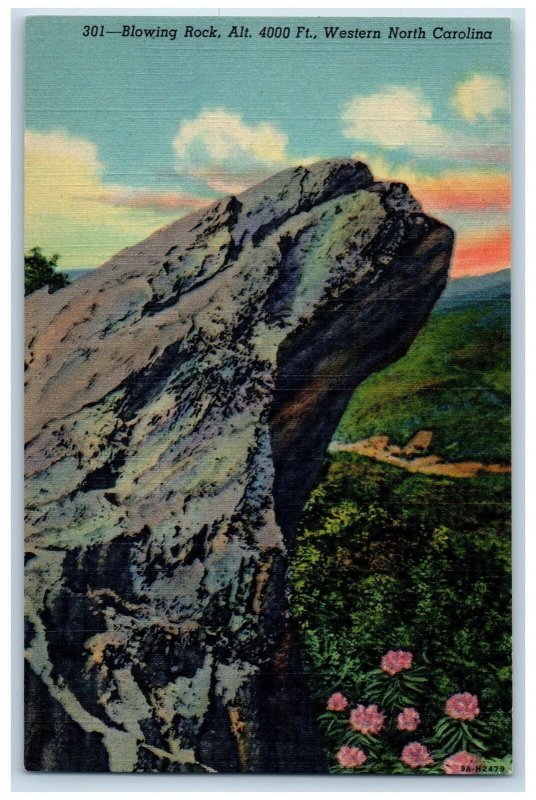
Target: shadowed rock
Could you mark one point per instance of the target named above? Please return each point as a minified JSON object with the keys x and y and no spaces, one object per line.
{"x":179,"y":403}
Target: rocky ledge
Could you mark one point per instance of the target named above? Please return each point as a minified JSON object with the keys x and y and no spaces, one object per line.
{"x":179,"y":403}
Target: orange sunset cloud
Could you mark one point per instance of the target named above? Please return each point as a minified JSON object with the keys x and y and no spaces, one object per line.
{"x":480,"y":248}
{"x":480,"y":251}
{"x":464,"y":191}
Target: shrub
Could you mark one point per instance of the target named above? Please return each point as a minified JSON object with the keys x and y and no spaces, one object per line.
{"x":41,"y":271}
{"x":387,"y":736}
{"x":388,"y":560}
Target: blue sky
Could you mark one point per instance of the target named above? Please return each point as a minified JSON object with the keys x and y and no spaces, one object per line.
{"x":159,"y":126}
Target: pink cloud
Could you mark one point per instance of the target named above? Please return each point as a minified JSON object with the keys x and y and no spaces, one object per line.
{"x":478,"y":252}
{"x":486,"y":154}
{"x":153,"y":200}
{"x":464,"y":191}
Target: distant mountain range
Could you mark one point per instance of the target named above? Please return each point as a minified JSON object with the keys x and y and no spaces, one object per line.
{"x":465,"y":292}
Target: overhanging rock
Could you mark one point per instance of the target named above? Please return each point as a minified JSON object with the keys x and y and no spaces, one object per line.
{"x":179,"y":403}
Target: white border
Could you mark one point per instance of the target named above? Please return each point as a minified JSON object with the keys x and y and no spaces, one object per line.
{"x":28,"y":783}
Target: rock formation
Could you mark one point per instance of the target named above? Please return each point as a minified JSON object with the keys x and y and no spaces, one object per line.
{"x":179,"y":403}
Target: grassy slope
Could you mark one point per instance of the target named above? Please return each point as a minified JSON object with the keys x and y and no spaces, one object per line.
{"x":455,"y":380}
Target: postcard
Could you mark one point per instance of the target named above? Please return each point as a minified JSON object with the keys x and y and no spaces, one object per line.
{"x":267,"y":421}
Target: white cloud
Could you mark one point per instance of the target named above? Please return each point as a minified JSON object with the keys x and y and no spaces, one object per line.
{"x":69,"y":208}
{"x":226,"y":153}
{"x":481,"y":96}
{"x":398,"y":117}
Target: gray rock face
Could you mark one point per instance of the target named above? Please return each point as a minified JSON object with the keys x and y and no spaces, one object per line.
{"x":179,"y":403}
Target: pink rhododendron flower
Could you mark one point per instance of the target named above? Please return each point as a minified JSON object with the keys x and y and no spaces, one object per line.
{"x":462,"y":763}
{"x":337,"y":702}
{"x":395,"y":661}
{"x":351,"y":757}
{"x":416,"y":755}
{"x":367,"y":719}
{"x":408,"y":720}
{"x":462,"y":706}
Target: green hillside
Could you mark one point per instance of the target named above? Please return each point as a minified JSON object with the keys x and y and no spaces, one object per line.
{"x":455,"y":381}
{"x":388,"y":560}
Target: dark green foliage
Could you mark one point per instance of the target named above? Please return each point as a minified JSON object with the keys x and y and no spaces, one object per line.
{"x":41,"y":271}
{"x":387,"y":559}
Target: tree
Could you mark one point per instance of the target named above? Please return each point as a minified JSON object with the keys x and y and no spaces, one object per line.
{"x":40,"y":271}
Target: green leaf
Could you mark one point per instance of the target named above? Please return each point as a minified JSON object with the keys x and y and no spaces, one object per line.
{"x":443,"y":725}
{"x":452,"y":742}
{"x":476,"y":742}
